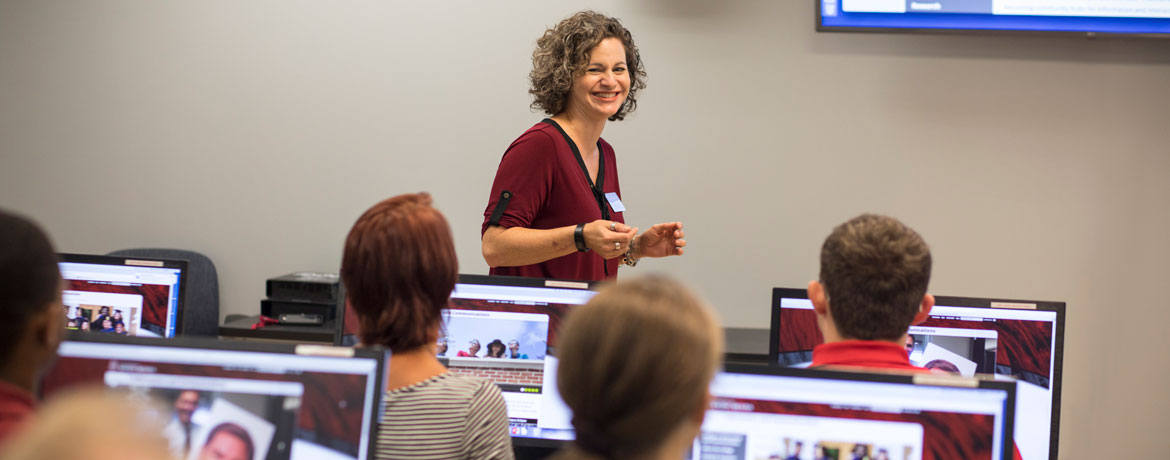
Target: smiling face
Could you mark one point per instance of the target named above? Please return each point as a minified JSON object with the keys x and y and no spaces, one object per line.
{"x":601,"y":90}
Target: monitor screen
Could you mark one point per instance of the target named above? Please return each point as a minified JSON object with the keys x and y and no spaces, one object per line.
{"x":766,"y":413}
{"x":504,"y":329}
{"x":124,"y":296}
{"x":292,"y":402}
{"x":1129,"y":17}
{"x":963,"y":335}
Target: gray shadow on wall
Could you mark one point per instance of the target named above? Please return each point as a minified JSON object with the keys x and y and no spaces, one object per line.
{"x":1025,"y":47}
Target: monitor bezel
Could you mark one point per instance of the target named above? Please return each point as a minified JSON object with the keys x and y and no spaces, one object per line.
{"x":904,"y":378}
{"x":181,"y":265}
{"x":821,"y":27}
{"x":779,"y":293}
{"x":378,"y":354}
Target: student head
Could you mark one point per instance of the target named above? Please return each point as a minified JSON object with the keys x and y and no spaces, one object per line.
{"x":227,"y":441}
{"x":91,"y":423}
{"x":30,"y":299}
{"x":399,"y":268}
{"x":635,"y":366}
{"x":874,"y":273}
{"x":495,"y":349}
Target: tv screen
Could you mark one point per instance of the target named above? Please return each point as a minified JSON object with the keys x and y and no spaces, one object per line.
{"x":1123,"y":17}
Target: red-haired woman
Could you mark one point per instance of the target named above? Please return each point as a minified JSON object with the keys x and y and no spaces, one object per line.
{"x":399,"y":268}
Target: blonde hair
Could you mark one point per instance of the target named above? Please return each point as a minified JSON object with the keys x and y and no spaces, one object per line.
{"x":635,"y":362}
{"x":92,"y":424}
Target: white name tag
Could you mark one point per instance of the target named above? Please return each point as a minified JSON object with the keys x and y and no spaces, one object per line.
{"x":615,"y":203}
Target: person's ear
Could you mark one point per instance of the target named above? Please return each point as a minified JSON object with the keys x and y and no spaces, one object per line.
{"x":820,"y":300}
{"x":923,"y":310}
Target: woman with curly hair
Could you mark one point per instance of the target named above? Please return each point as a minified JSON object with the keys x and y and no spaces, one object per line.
{"x":555,"y":209}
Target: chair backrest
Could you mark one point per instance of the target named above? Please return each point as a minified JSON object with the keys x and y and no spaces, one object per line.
{"x":201,"y":296}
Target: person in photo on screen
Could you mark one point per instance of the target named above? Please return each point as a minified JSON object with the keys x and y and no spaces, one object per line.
{"x":103,"y":314}
{"x":182,"y":423}
{"x":83,"y":326}
{"x":227,"y":441}
{"x":441,"y":347}
{"x":655,"y":386}
{"x":117,"y":317}
{"x":107,"y":324}
{"x":30,"y":297}
{"x":399,"y":268}
{"x":514,"y":350}
{"x":495,"y":349}
{"x":942,"y":366}
{"x":555,"y":207}
{"x":472,"y":350}
{"x":120,"y":329}
{"x":796,"y":448}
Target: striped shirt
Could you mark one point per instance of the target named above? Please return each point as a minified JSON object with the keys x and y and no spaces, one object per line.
{"x":448,"y":416}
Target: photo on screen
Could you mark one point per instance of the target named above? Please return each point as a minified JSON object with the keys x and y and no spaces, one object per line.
{"x":143,"y":307}
{"x":214,"y":418}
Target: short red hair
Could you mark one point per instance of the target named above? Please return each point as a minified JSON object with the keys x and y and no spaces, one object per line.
{"x":399,"y":269}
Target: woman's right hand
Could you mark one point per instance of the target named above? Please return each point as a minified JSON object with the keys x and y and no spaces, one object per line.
{"x":608,"y":238}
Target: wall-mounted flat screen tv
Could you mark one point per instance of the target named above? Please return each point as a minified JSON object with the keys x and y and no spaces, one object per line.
{"x":1088,"y":17}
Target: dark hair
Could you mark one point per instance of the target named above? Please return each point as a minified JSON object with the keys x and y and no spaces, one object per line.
{"x":562,"y":55}
{"x":496,"y":343}
{"x":943,"y":365}
{"x":875,"y":271}
{"x":635,"y":362}
{"x":29,"y":277}
{"x":399,"y":269}
{"x":234,"y":430}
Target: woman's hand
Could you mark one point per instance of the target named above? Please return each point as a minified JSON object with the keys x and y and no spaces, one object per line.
{"x":661,"y":240}
{"x":609,"y":239}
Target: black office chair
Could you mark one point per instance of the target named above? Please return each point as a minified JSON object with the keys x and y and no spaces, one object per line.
{"x":200,"y":314}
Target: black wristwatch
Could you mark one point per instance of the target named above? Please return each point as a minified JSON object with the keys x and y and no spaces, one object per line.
{"x":579,"y":238}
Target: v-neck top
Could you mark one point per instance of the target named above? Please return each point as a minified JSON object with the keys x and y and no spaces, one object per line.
{"x":542,"y":183}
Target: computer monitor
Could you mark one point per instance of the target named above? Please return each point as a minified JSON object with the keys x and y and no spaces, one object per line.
{"x":138,"y":296}
{"x":763,"y":412}
{"x":293,"y":401}
{"x":518,"y":319}
{"x":1023,"y":339}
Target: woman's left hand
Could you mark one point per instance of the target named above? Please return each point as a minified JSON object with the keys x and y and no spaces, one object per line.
{"x":661,"y":240}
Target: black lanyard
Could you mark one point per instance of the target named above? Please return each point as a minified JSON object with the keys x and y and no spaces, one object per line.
{"x":599,"y":187}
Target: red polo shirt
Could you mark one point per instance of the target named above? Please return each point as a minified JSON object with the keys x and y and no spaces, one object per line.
{"x":542,"y":183}
{"x":864,"y":353}
{"x":873,"y":354}
{"x":16,"y":406}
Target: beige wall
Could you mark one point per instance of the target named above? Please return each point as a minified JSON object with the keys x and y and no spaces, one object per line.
{"x":257,"y":131}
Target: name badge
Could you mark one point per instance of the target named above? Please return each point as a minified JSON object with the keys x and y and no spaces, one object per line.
{"x":615,"y":203}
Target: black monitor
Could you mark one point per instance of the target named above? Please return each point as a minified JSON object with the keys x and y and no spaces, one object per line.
{"x":523,"y":316}
{"x":1023,"y":339}
{"x":294,"y":401}
{"x":761,"y":412}
{"x":138,"y":296}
